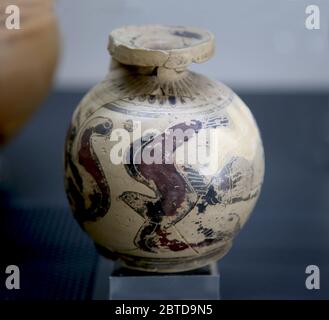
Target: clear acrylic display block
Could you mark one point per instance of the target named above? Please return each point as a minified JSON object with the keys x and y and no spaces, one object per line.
{"x":113,"y":282}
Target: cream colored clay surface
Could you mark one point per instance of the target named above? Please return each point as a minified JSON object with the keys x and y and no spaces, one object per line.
{"x":161,"y":46}
{"x":163,"y":217}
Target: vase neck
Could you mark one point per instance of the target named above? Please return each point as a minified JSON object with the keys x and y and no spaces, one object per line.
{"x":161,"y":73}
{"x":132,"y":81}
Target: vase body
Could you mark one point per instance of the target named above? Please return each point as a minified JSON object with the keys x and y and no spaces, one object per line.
{"x":28,"y":57}
{"x":182,"y":210}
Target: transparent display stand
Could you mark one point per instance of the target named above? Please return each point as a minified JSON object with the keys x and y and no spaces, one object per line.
{"x":113,"y":282}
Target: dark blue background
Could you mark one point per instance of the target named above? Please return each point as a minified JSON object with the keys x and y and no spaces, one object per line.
{"x":288,"y":230}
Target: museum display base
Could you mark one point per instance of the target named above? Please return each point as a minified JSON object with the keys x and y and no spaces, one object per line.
{"x":114,"y":282}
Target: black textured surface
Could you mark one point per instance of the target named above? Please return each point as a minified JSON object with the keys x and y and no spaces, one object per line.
{"x":288,"y":230}
{"x":56,"y":259}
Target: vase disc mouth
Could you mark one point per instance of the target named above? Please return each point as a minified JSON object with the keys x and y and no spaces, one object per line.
{"x":156,"y":45}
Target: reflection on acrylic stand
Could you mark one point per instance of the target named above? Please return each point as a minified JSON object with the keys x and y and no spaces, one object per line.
{"x":113,"y":282}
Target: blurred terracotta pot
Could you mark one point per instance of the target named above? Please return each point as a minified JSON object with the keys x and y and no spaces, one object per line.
{"x":28,"y":57}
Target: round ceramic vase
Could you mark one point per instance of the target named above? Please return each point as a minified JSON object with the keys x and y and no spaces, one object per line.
{"x":28,"y":57}
{"x":154,"y":207}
